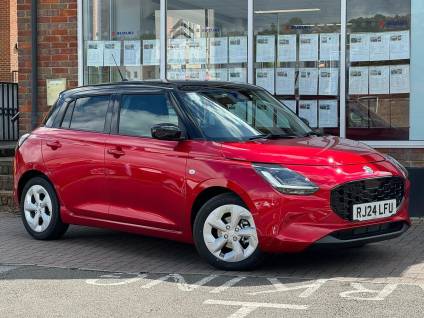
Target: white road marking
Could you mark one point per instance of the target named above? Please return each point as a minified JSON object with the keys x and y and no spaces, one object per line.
{"x":104,"y":280}
{"x":249,"y":307}
{"x":360,"y":289}
{"x":227,"y":285}
{"x":279,"y":287}
{"x":181,"y":282}
{"x":5,"y":269}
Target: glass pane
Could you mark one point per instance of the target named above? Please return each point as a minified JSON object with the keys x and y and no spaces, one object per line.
{"x":378,"y":58}
{"x":90,"y":113}
{"x":139,"y":113}
{"x":207,"y":40}
{"x":297,"y":57}
{"x":124,"y":33}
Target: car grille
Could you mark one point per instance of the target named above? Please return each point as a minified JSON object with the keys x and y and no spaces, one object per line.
{"x":344,"y":197}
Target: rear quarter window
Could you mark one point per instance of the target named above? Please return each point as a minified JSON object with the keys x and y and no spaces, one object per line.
{"x":89,"y":114}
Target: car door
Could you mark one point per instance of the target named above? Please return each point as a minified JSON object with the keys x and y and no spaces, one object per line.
{"x":146,"y":176}
{"x":74,"y":155}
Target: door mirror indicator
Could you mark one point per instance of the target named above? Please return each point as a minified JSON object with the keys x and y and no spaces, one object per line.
{"x":167,"y":132}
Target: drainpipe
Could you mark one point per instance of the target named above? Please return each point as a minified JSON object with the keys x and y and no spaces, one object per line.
{"x":34,"y":73}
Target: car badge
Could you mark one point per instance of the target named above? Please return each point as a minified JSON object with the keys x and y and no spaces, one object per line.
{"x":368,"y":170}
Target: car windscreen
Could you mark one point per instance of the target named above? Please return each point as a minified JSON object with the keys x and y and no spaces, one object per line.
{"x":229,"y":114}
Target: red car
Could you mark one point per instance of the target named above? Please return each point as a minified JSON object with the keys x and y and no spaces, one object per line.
{"x":224,"y":166}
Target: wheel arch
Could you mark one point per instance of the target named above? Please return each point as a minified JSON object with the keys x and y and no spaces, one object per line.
{"x":28,"y":175}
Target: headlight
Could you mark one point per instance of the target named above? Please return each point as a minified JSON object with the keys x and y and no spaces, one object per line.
{"x":285,"y":180}
{"x":22,"y":140}
{"x":397,"y":164}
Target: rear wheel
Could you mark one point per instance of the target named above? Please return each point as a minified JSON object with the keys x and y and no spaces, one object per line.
{"x":40,"y":210}
{"x":225,"y":234}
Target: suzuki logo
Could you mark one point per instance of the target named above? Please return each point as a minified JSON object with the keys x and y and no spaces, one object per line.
{"x":368,"y":170}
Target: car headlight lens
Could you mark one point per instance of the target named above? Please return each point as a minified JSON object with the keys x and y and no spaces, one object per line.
{"x":285,"y":180}
{"x":22,"y":140}
{"x":397,"y":164}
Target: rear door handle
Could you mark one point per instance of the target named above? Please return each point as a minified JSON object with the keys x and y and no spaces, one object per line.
{"x":116,"y":152}
{"x":53,"y":144}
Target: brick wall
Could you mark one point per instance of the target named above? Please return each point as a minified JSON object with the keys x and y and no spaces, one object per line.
{"x":13,"y":36}
{"x":57,"y":51}
{"x":5,"y":73}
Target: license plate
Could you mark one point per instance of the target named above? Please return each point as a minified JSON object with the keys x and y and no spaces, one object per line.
{"x":374,"y":210}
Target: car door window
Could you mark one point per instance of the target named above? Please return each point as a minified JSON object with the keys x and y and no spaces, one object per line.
{"x":89,"y":113}
{"x":66,"y":122}
{"x":139,"y":113}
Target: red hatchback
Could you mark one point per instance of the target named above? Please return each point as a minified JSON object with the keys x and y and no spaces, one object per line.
{"x":224,"y":166}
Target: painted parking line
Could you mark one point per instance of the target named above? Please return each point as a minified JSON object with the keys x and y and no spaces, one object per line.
{"x":248,"y":307}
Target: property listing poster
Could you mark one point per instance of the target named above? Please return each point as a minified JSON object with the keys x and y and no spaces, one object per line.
{"x":195,"y":74}
{"x":176,"y":74}
{"x":196,"y":51}
{"x":218,"y":74}
{"x":237,"y":75}
{"x":379,"y":46}
{"x":329,"y":44}
{"x":399,"y":79}
{"x":308,"y":110}
{"x":285,"y":81}
{"x":112,"y":53}
{"x":291,"y":104}
{"x":328,"y":114}
{"x":287,"y":48}
{"x":265,"y":48}
{"x":359,"y":47}
{"x":237,"y":49}
{"x":218,"y":50}
{"x":358,"y":80}
{"x":265,"y":79}
{"x":95,"y":53}
{"x":379,"y":80}
{"x":329,"y":81}
{"x":399,"y":45}
{"x":176,"y":51}
{"x":132,"y":53}
{"x":308,"y":49}
{"x":151,"y":53}
{"x":308,"y":81}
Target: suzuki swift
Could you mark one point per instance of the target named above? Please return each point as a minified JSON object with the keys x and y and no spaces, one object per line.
{"x":224,"y":166}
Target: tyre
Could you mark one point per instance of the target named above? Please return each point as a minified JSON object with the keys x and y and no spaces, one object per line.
{"x":225,"y":234}
{"x":40,"y":210}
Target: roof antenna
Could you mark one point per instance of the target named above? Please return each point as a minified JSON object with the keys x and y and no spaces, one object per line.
{"x":119,"y":69}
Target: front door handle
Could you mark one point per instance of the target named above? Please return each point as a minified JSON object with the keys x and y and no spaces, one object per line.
{"x":116,"y":152}
{"x":53,"y":144}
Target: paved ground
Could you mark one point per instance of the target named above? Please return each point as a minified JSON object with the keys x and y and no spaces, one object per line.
{"x":135,"y":276}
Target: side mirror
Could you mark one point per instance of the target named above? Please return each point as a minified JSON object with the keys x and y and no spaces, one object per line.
{"x":304,"y":120}
{"x":167,"y":132}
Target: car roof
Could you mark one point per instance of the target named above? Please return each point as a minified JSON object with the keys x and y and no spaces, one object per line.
{"x":154,"y":84}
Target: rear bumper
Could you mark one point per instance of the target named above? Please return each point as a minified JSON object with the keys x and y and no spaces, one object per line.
{"x":363,"y":235}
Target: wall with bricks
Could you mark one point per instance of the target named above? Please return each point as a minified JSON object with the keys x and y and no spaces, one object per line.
{"x":57,"y":51}
{"x":13,"y":39}
{"x":8,"y":32}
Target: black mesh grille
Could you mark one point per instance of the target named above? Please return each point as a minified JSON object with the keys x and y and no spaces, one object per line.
{"x":344,"y":197}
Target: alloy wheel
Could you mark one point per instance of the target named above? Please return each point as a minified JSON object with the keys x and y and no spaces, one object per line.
{"x":38,"y":208}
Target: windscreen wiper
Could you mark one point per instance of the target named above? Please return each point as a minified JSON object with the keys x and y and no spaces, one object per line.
{"x":273,"y":136}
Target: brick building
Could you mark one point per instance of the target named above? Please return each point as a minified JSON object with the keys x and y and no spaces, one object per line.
{"x":75,"y":37}
{"x":8,"y":41}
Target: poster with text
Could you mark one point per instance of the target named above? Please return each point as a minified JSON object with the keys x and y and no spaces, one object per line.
{"x":95,"y":53}
{"x":328,"y":114}
{"x":132,"y":53}
{"x":176,"y":51}
{"x":329,"y":44}
{"x":265,"y":48}
{"x":329,"y":81}
{"x":291,"y":104}
{"x":196,"y":51}
{"x":308,"y":81}
{"x":112,"y":53}
{"x":176,"y":74}
{"x":359,"y":47}
{"x":285,"y":81}
{"x":379,"y":46}
{"x":287,"y":48}
{"x":218,"y":74}
{"x":195,"y":74}
{"x":237,"y":49}
{"x":399,"y":45}
{"x":399,"y":79}
{"x":379,"y":80}
{"x":308,"y":50}
{"x":265,"y":79}
{"x":358,"y":80}
{"x":308,"y":110}
{"x":218,"y":50}
{"x":237,"y":75}
{"x":151,"y":53}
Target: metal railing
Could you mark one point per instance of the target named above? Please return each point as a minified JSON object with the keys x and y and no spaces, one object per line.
{"x":9,"y":108}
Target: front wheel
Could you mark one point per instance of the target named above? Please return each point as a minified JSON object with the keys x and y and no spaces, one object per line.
{"x":40,"y":210}
{"x":225,"y":234}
